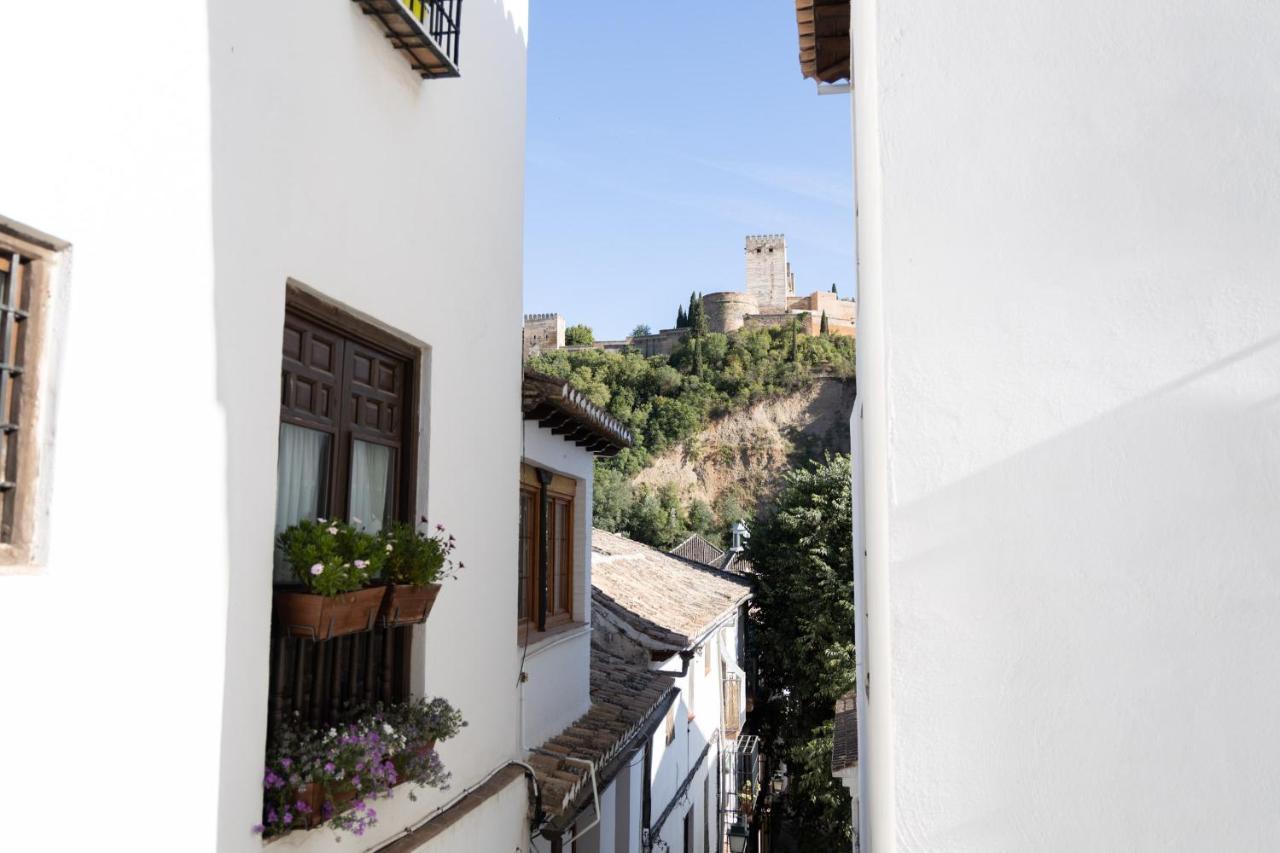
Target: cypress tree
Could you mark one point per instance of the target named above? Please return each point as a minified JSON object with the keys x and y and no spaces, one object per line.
{"x":824,"y":328}
{"x":682,"y":319}
{"x":833,"y":288}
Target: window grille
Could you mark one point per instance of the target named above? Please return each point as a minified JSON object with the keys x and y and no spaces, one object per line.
{"x":15,"y":286}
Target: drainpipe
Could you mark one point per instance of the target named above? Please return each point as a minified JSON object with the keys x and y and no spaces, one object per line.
{"x":646,"y":800}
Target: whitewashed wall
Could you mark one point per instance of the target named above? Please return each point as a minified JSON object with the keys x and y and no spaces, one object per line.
{"x":196,"y":158}
{"x":1069,"y":359}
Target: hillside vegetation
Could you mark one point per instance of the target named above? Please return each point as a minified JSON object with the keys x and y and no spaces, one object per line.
{"x":668,"y":402}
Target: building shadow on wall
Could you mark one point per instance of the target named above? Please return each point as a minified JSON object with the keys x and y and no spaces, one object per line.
{"x":1118,"y":579}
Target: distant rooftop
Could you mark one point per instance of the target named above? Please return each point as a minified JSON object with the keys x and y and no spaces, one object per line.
{"x":671,"y":601}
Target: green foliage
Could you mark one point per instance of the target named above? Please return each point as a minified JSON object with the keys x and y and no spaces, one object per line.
{"x":803,"y":630}
{"x":579,"y":336}
{"x":663,"y":401}
{"x":697,"y":316}
{"x":331,"y":557}
{"x":824,"y":325}
{"x":833,"y":288}
{"x":815,"y":796}
{"x":641,"y":330}
{"x":682,"y":319}
{"x":415,"y":557}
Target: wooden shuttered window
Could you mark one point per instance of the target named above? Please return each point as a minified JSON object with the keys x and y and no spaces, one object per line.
{"x":558,"y":493}
{"x":347,"y":430}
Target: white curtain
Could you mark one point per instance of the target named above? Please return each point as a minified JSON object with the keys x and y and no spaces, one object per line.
{"x":300,"y":480}
{"x":370,"y":484}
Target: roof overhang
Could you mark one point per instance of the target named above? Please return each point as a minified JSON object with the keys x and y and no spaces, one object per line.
{"x":823,"y":26}
{"x":556,"y":406}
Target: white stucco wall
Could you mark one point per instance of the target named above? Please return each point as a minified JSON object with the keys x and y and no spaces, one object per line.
{"x":1069,"y":346}
{"x":196,"y":158}
{"x":116,"y":650}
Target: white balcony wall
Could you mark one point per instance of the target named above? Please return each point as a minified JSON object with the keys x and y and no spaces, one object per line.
{"x":198,"y":156}
{"x":1068,"y":351}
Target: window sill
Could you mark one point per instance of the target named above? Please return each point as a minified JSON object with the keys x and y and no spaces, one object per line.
{"x":540,"y":641}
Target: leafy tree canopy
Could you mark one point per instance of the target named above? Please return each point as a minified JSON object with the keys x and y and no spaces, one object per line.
{"x":641,"y":330}
{"x":579,"y":336}
{"x":665,"y":402}
{"x":802,"y":626}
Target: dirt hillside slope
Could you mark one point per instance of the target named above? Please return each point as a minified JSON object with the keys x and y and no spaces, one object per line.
{"x":743,"y":454}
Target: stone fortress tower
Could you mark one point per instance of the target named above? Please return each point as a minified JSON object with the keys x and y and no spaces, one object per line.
{"x":769,"y":300}
{"x":543,"y":333}
{"x":769,"y":277}
{"x":727,"y":312}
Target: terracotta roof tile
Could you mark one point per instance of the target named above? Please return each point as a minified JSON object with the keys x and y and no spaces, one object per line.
{"x":668,"y":599}
{"x":623,"y":696}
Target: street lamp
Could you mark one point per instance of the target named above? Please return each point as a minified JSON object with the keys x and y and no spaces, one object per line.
{"x":778,"y":784}
{"x":739,"y":835}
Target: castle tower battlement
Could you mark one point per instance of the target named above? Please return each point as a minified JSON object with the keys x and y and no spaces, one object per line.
{"x":769,"y":278}
{"x":543,"y":333}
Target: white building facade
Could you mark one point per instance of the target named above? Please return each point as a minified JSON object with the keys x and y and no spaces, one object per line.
{"x":1068,"y":430}
{"x":652,"y":765}
{"x":186,"y":180}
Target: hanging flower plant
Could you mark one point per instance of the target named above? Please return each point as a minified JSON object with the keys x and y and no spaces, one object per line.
{"x":334,"y":562}
{"x":333,"y":776}
{"x":414,"y":562}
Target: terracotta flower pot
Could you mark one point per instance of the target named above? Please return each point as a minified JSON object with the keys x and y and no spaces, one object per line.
{"x":313,"y":794}
{"x":400,"y":760}
{"x":406,"y":604}
{"x":320,"y":617}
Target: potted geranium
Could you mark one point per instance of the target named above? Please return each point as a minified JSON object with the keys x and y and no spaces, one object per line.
{"x":414,"y":562}
{"x":334,"y":562}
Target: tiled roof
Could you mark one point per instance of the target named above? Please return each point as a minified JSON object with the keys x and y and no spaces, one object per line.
{"x":624,"y":696}
{"x":669,"y":600}
{"x":824,"y":39}
{"x":844,"y":750}
{"x":699,"y":550}
{"x":554,"y":404}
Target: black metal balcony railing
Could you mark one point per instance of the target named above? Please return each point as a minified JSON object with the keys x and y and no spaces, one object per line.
{"x":426,"y":32}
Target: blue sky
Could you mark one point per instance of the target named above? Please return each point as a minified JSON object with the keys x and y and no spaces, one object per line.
{"x":659,"y":136}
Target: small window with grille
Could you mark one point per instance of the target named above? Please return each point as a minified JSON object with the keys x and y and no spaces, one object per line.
{"x":27,"y":262}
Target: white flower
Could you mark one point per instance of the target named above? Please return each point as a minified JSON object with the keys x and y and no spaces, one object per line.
{"x":360,"y":564}
{"x":389,"y":548}
{"x":386,"y":727}
{"x":333,"y":531}
{"x":317,"y":569}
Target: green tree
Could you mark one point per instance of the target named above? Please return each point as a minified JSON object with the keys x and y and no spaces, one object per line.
{"x":824,"y":326}
{"x":682,"y":319}
{"x":641,"y":330}
{"x":579,"y":336}
{"x":803,"y":629}
{"x":702,"y":520}
{"x":833,"y":288}
{"x":697,"y":317}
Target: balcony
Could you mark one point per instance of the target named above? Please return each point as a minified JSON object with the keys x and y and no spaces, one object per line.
{"x":426,"y":32}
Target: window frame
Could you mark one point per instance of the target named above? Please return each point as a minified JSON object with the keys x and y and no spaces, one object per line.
{"x":26,"y":515}
{"x":561,"y":493}
{"x":343,"y":433}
